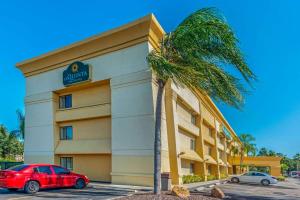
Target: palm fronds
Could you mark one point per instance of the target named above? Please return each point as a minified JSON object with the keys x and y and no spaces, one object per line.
{"x":198,"y":54}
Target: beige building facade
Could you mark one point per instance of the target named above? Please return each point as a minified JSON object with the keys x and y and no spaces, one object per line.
{"x":102,"y":124}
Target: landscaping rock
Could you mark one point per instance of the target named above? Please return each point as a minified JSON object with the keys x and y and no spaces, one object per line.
{"x":180,"y":191}
{"x":217,"y":193}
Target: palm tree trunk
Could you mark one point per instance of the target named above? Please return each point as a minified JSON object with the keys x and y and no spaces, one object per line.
{"x":157,"y":138}
{"x":241,"y":160}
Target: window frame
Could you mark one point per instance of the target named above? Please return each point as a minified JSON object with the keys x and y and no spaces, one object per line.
{"x":192,"y":144}
{"x":210,"y":132}
{"x":65,"y":101}
{"x":66,"y":171}
{"x":66,"y":158}
{"x":37,"y":169}
{"x":192,"y":168}
{"x":209,"y":150}
{"x":193,"y":119}
{"x":63,"y":133}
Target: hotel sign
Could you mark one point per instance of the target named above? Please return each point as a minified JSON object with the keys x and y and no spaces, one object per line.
{"x":75,"y":73}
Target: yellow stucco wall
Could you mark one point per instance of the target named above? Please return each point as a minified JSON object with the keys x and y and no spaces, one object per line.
{"x":93,"y":95}
{"x":96,"y":167}
{"x":135,"y":170}
{"x":98,"y":128}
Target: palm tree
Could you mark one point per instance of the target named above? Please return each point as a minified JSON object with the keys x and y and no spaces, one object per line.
{"x":297,"y":159}
{"x":20,"y":132}
{"x":263,"y":152}
{"x":197,"y":55}
{"x":247,"y":146}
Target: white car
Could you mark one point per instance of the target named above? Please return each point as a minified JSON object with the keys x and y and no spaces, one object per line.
{"x":254,"y":177}
{"x":295,"y":174}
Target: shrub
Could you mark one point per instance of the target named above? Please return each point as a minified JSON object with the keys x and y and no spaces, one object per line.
{"x":224,"y":176}
{"x":192,"y":179}
{"x":211,"y":177}
{"x":280,"y":178}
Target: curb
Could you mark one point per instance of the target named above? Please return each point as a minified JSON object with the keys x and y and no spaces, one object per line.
{"x":202,"y":186}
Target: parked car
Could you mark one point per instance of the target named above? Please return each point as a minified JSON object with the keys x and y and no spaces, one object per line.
{"x":31,"y":178}
{"x":254,"y":177}
{"x":295,"y":174}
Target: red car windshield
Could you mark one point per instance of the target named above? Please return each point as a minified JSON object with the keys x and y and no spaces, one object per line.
{"x":18,"y":168}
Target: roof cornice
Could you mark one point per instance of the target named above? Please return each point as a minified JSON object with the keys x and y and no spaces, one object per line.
{"x":139,"y":31}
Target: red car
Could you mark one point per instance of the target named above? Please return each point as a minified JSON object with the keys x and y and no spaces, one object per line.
{"x":33,"y":177}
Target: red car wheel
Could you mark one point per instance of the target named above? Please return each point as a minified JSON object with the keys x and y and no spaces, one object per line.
{"x":32,"y":187}
{"x":80,"y":183}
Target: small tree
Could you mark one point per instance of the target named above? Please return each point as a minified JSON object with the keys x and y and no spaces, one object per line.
{"x":247,"y":146}
{"x":297,"y":160}
{"x":20,"y":132}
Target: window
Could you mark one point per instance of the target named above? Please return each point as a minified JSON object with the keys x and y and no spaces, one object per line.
{"x":220,"y":155}
{"x":193,"y":119}
{"x":209,"y":150}
{"x":210,"y":132}
{"x":60,"y":170}
{"x":65,"y":101}
{"x":208,"y":168}
{"x":67,"y":162}
{"x":66,"y":133}
{"x":258,"y":174}
{"x":192,"y":168}
{"x":43,"y":170}
{"x":193,"y":144}
{"x":247,"y":174}
{"x":18,"y":168}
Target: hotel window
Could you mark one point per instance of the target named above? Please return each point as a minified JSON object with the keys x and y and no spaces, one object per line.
{"x":67,"y":162}
{"x":209,"y":150}
{"x":220,"y":155}
{"x":193,"y":144}
{"x":66,"y":133}
{"x":193,"y":119}
{"x":192,"y":168}
{"x":208,"y":168}
{"x":210,"y":132}
{"x":65,"y":101}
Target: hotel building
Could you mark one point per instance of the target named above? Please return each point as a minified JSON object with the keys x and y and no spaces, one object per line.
{"x":90,"y":107}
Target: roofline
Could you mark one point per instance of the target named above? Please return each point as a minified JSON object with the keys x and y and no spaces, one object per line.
{"x":212,"y":105}
{"x":147,"y":28}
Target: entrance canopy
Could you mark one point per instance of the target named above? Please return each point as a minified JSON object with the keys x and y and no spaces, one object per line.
{"x":263,"y":161}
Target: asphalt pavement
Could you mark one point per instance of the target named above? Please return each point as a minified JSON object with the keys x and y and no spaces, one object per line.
{"x":288,"y":190}
{"x":92,"y":192}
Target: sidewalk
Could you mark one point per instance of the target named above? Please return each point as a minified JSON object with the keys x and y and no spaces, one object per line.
{"x":124,"y":187}
{"x":206,"y":184}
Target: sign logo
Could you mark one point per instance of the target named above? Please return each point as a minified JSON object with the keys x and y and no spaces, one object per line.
{"x":75,"y":73}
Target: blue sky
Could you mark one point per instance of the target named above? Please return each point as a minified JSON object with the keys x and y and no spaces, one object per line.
{"x":268,"y":31}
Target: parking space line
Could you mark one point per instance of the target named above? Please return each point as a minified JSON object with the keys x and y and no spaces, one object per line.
{"x":17,"y":198}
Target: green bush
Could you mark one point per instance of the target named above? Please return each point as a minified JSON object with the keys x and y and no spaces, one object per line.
{"x":211,"y":177}
{"x":192,"y":179}
{"x":280,"y":178}
{"x":223,"y":176}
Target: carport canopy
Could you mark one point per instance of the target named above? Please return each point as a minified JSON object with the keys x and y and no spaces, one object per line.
{"x":262,"y":161}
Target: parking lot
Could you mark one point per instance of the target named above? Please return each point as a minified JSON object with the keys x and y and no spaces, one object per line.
{"x":93,"y":191}
{"x":288,"y":190}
